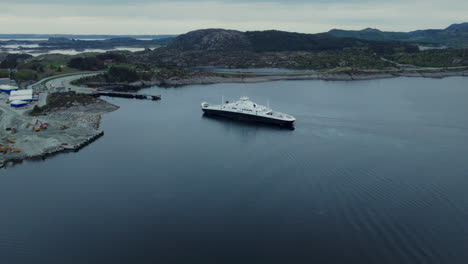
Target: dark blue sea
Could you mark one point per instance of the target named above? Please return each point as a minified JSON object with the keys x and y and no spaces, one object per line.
{"x":374,"y":172}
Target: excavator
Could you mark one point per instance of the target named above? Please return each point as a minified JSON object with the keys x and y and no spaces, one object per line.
{"x":41,"y":125}
{"x":37,"y":128}
{"x":8,"y":148}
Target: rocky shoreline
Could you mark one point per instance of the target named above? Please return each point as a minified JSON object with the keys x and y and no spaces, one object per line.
{"x":82,"y":115}
{"x":69,"y":130}
{"x":345,"y":76}
{"x":52,"y":151}
{"x":213,"y":78}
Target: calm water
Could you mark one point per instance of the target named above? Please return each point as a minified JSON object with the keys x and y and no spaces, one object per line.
{"x":375,"y":172}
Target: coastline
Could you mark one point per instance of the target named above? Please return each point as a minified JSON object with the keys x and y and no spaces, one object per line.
{"x":82,"y":128}
{"x":84,"y":120}
{"x":339,"y":76}
{"x":203,"y":77}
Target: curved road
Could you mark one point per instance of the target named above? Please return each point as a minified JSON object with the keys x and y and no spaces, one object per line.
{"x":56,"y":83}
{"x":65,"y":83}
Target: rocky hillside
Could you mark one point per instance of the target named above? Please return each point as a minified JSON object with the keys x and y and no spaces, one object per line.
{"x":211,"y":40}
{"x":272,"y":41}
{"x":230,"y":48}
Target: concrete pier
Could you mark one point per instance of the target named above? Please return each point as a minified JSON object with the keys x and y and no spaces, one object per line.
{"x":127,"y":95}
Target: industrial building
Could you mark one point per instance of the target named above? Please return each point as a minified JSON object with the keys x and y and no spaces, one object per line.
{"x":21,"y":95}
{"x":5,"y":88}
{"x":18,"y":103}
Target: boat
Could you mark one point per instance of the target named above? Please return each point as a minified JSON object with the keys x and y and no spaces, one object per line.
{"x":246,"y":110}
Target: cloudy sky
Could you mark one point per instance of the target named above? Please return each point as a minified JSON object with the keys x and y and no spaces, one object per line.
{"x":180,"y":16}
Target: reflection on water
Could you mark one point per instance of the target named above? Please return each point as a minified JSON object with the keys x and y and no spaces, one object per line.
{"x":250,"y":125}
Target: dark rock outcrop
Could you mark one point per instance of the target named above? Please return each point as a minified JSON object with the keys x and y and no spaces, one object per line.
{"x":211,"y":40}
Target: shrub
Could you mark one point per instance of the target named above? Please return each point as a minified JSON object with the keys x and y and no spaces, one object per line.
{"x":87,"y":64}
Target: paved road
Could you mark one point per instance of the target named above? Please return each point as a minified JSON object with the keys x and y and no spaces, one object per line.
{"x":65,"y":83}
{"x":54,"y":84}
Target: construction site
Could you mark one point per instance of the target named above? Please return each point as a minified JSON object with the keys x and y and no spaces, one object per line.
{"x":34,"y":129}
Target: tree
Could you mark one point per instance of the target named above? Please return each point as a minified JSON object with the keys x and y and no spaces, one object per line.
{"x":8,"y":64}
{"x":121,"y":74}
{"x":87,"y":63}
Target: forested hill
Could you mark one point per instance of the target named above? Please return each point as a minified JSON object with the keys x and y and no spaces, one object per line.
{"x":276,"y":41}
{"x":454,"y":36}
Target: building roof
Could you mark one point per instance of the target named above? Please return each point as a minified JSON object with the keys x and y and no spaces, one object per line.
{"x":21,"y":95}
{"x":6,"y":87}
{"x":18,"y":102}
{"x":22,"y":92}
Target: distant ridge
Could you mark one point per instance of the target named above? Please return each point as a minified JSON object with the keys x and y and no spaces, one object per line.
{"x":270,"y":49}
{"x":463,"y":27}
{"x":455,"y":35}
{"x":76,"y":36}
{"x":271,"y":41}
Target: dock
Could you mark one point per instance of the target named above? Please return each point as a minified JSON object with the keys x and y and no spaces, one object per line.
{"x":127,"y":95}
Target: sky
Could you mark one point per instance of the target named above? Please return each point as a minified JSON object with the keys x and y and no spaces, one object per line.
{"x":180,"y":16}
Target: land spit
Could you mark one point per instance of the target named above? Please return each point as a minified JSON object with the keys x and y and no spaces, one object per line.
{"x":70,"y":127}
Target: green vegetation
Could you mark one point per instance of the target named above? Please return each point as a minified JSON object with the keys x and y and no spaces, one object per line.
{"x":113,"y":56}
{"x":4,"y":74}
{"x":433,"y":58}
{"x":63,"y":100}
{"x":273,"y":40}
{"x":353,"y":58}
{"x":26,"y":75}
{"x":86,"y":64}
{"x":11,"y":61}
{"x":121,"y":74}
{"x":8,"y":64}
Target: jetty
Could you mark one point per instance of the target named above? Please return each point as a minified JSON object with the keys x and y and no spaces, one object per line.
{"x":127,"y":95}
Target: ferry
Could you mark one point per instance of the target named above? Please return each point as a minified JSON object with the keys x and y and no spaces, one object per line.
{"x":246,"y":110}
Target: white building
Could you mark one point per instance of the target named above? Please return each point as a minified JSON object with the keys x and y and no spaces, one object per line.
{"x":22,"y":95}
{"x":7,"y":88}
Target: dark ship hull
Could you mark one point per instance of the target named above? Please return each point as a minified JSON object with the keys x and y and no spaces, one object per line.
{"x":247,"y":117}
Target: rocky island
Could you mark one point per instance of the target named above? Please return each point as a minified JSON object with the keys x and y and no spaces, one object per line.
{"x":312,"y":56}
